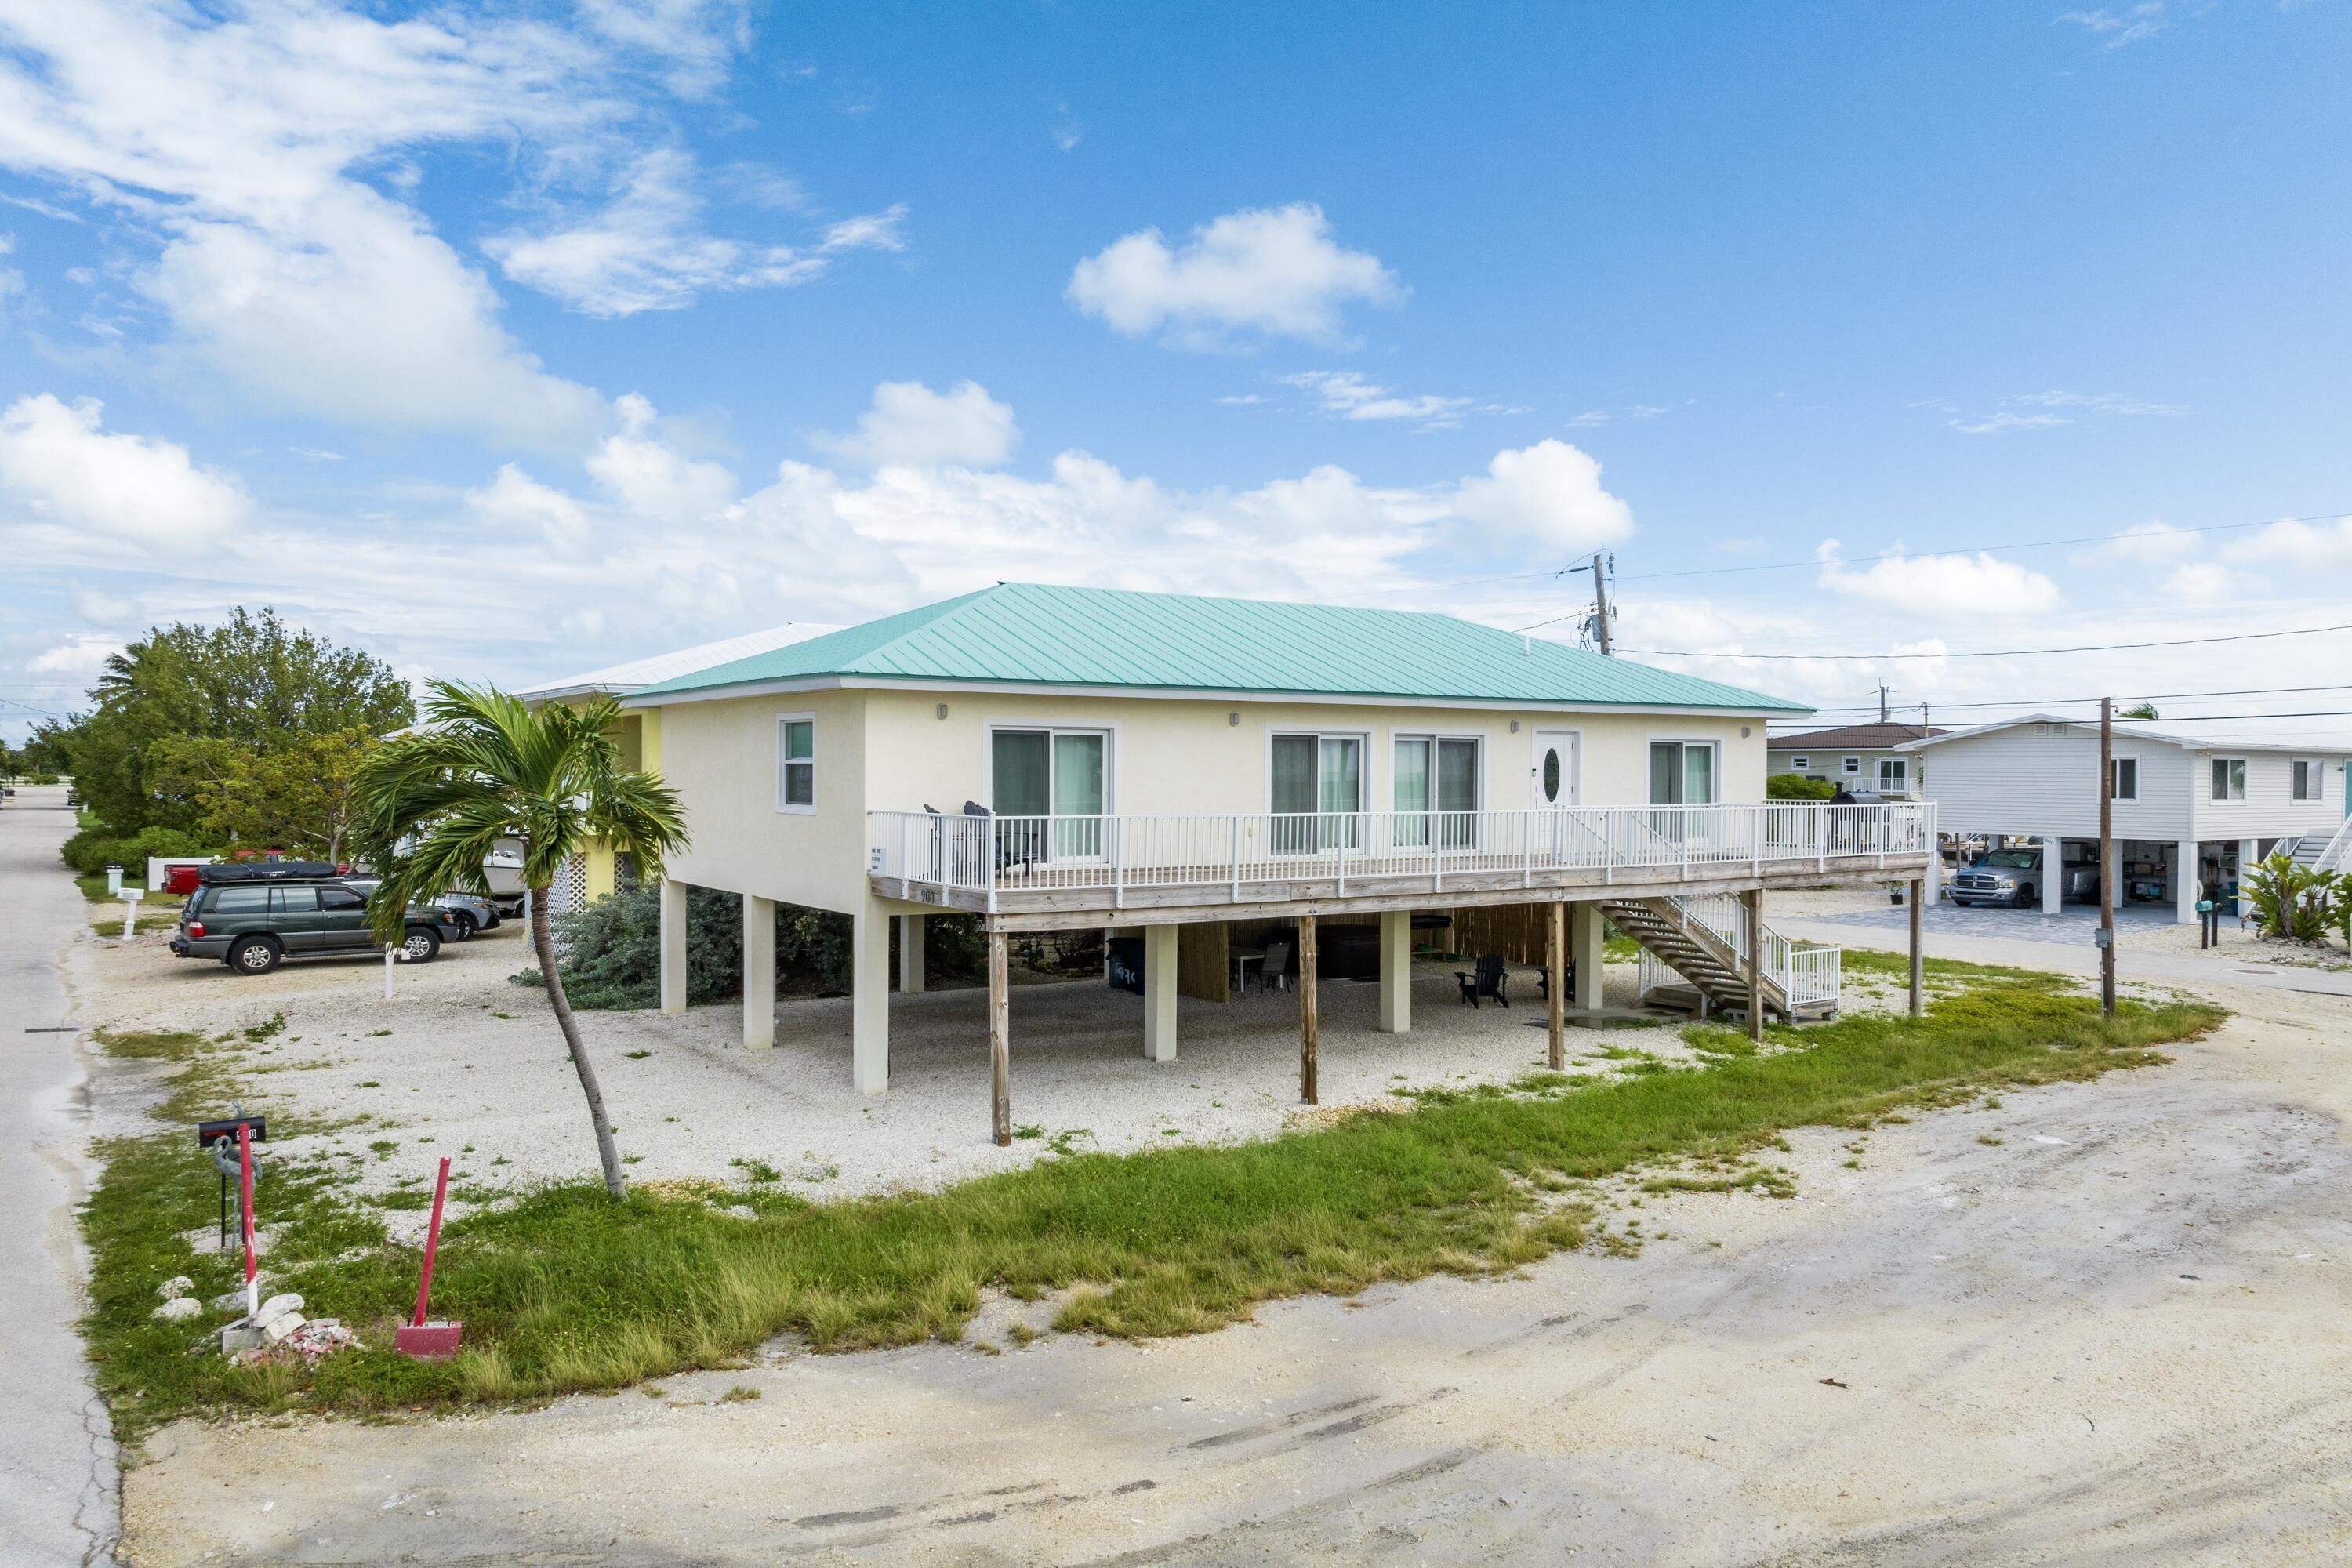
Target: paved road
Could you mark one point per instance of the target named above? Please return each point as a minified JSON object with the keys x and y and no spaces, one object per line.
{"x":61,"y":1502}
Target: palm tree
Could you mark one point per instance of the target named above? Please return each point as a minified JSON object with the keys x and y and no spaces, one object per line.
{"x":2137,"y":711}
{"x":484,"y":767}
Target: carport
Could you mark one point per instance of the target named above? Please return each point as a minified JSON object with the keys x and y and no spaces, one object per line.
{"x":2189,"y":812}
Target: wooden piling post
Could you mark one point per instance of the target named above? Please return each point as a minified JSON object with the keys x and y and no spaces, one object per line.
{"x":1556,"y":1020}
{"x":1000,"y":1046}
{"x":1755,"y":902}
{"x":1306,"y":1008}
{"x":1916,"y":896}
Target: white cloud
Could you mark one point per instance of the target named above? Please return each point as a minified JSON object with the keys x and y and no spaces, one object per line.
{"x":1273,"y":271}
{"x":909,"y":423}
{"x":1549,"y":494}
{"x":2210,"y":583}
{"x":83,"y":656}
{"x":647,"y":478}
{"x":513,"y":503}
{"x":63,"y":471}
{"x":256,"y":162}
{"x":646,"y":250}
{"x":1979,"y":586}
{"x":2149,"y":543}
{"x":2118,"y":29}
{"x":1348,"y":396}
{"x":2034,"y":410}
{"x":2317,"y":544}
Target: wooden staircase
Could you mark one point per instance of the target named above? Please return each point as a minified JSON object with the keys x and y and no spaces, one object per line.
{"x":1712,"y":969}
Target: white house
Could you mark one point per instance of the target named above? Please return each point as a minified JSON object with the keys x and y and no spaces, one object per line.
{"x":1854,"y":757}
{"x":2196,"y":804}
{"x":1059,"y":758}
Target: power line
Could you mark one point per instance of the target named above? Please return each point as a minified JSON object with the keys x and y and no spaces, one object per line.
{"x":2148,"y":697}
{"x":30,"y":708}
{"x":1990,"y":653}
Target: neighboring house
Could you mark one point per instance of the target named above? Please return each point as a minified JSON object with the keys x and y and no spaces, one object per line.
{"x":1049,"y":757}
{"x":1854,"y":757}
{"x":2195,"y":802}
{"x":598,"y":870}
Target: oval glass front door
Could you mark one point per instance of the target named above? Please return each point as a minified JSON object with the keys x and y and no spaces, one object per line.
{"x":1551,"y":775}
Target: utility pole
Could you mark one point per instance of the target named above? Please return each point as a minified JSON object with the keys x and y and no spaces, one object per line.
{"x":2107,"y":857}
{"x":1600,"y":600}
{"x":1882,"y":703}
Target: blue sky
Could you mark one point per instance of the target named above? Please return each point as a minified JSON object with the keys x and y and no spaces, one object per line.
{"x":510,"y":341}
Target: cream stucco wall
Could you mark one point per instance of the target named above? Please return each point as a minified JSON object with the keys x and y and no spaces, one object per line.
{"x":889,"y":750}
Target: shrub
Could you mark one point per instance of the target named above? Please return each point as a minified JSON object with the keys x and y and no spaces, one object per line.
{"x":1797,"y":786}
{"x":611,"y":950}
{"x":2292,"y":900}
{"x":93,"y":849}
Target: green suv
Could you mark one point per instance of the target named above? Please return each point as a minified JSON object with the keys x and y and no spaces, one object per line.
{"x":255,"y":926}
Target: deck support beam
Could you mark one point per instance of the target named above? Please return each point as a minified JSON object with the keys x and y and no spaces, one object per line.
{"x":910,"y":953}
{"x":1000,"y":1043}
{"x":1306,"y":1008}
{"x":1556,"y":988}
{"x":2250,"y":855}
{"x":2054,"y":874}
{"x":1159,"y":993}
{"x":673,"y":945}
{"x":1754,"y":934}
{"x":869,"y":997}
{"x":758,"y":972}
{"x":1587,"y":950}
{"x":1917,"y":898}
{"x":2186,"y":874}
{"x":1396,"y":971}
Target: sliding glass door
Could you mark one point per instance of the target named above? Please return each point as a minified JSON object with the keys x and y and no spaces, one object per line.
{"x":1436,"y":777}
{"x":1318,"y":788}
{"x":1059,"y":774}
{"x":1682,"y":773}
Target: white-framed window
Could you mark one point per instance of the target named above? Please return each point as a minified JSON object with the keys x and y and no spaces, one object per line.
{"x":2229,"y":778}
{"x":2310,"y":778}
{"x":1895,"y":775}
{"x":2124,"y":785}
{"x":1801,"y":763}
{"x":1850,"y":765}
{"x":1682,"y":772}
{"x":1056,"y":773}
{"x":1314,"y":790}
{"x":1439,"y":777}
{"x":796,"y":761}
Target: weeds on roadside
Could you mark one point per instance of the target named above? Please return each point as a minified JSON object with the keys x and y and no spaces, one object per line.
{"x":563,"y":1288}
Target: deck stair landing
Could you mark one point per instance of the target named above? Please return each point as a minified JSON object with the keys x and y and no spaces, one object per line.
{"x":1696,"y":958}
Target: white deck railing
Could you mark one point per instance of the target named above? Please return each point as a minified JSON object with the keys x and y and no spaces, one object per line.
{"x":1808,"y":977}
{"x":1232,"y":854}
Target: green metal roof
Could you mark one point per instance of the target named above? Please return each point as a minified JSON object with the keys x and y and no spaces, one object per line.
{"x":1031,"y":635}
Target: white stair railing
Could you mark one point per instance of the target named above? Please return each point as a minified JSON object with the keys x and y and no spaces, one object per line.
{"x":2337,"y":856}
{"x":1807,"y":976}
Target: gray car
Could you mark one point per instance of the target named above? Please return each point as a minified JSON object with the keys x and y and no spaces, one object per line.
{"x":2009,"y":876}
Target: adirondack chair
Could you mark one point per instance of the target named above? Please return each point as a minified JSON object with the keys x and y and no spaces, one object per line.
{"x":1488,"y":982}
{"x":1543,"y":980}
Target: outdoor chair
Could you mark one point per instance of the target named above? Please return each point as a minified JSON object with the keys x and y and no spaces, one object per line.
{"x":1276,"y":970}
{"x":1543,"y":982}
{"x":1488,"y":982}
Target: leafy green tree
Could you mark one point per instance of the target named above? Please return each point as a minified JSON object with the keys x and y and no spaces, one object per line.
{"x":486,"y":768}
{"x":299,"y":795}
{"x":252,"y":681}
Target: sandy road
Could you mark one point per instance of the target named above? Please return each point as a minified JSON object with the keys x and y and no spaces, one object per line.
{"x":2112,"y":1335}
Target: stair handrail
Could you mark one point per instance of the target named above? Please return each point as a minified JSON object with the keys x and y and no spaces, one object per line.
{"x":2337,"y":856}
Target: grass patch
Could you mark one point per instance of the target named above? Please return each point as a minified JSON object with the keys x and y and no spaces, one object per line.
{"x":1868,"y":961}
{"x":563,"y":1289}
